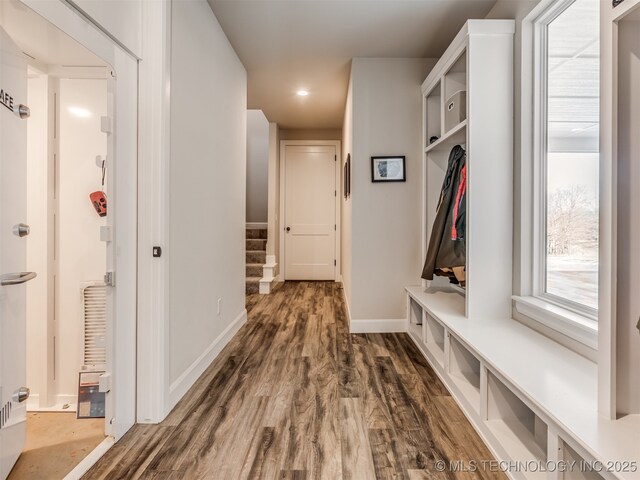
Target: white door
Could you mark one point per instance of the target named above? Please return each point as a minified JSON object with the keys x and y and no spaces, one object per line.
{"x":13,"y":258}
{"x":310,"y":212}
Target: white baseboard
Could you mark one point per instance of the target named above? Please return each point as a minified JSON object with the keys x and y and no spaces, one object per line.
{"x":265,"y":286}
{"x":346,"y":302}
{"x":90,"y":460}
{"x":33,"y":403}
{"x":257,"y":225}
{"x":379,"y":325}
{"x":197,"y":368}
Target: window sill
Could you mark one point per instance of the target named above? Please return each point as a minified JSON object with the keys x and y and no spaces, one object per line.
{"x":576,"y":326}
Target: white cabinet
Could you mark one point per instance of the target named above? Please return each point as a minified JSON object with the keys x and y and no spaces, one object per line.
{"x":619,"y":302}
{"x":468,"y":101}
{"x":531,"y":399}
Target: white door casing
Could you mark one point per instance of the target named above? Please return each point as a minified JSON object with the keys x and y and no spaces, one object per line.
{"x":122,"y":176}
{"x":310,"y":209}
{"x":13,"y":254}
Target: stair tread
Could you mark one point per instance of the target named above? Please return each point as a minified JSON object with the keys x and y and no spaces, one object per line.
{"x":253,"y":279}
{"x":255,"y":264}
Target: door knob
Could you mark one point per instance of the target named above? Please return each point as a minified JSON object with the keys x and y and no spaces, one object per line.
{"x":16,"y":278}
{"x":21,"y":230}
{"x":21,"y":395}
{"x":288,"y":229}
{"x":22,"y":111}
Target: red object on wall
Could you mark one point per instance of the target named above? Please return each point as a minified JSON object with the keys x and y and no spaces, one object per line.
{"x":99,"y":201}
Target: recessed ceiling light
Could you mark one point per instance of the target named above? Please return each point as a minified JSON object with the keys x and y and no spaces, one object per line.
{"x":302,"y":93}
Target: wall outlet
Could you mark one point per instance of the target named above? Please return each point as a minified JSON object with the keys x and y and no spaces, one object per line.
{"x":219,"y":306}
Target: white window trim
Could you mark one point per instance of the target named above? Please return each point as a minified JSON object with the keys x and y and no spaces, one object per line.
{"x":568,"y":318}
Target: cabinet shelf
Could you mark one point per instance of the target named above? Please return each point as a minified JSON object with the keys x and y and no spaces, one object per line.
{"x":456,"y":136}
{"x":464,"y":369}
{"x":518,"y":429}
{"x":434,"y":338}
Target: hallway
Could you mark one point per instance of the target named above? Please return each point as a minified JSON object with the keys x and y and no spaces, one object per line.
{"x":293,"y":395}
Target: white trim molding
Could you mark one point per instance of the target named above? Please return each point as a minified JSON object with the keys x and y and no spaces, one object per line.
{"x":122,"y":164}
{"x":375,"y":325}
{"x":185,"y":381}
{"x":338,"y":171}
{"x":153,"y":218}
{"x":90,"y":460}
{"x":269,"y":275}
{"x":565,"y":321}
{"x":378,"y":325}
{"x":569,"y":320}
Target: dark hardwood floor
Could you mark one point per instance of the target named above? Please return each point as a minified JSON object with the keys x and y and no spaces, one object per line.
{"x":295,"y":396}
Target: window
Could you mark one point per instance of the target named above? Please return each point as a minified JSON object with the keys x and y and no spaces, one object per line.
{"x":557,"y":251}
{"x":569,"y":74}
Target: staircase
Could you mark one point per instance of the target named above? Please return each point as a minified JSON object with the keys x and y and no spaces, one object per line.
{"x":256,"y":257}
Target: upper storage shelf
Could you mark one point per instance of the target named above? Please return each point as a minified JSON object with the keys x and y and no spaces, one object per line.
{"x":468,"y":101}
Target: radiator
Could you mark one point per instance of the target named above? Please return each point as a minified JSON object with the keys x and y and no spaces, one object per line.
{"x":94,"y":309}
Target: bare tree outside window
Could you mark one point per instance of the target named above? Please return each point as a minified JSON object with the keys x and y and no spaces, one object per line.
{"x":572,"y":133}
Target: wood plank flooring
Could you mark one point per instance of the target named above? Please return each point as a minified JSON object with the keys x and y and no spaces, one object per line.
{"x":295,"y":396}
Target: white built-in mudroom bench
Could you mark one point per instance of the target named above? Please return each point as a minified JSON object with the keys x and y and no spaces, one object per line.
{"x":532,"y":400}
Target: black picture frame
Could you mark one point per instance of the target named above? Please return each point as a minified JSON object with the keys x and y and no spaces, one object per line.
{"x":344,"y":180}
{"x":348,"y":175}
{"x":385,"y":169}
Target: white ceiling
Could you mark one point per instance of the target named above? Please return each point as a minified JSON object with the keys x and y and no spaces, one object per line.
{"x":44,"y":44}
{"x":289,"y":45}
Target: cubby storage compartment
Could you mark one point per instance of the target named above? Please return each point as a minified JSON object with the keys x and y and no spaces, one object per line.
{"x":464,"y":369}
{"x":455,"y":91}
{"x":415,"y":318}
{"x":486,"y":135}
{"x":582,"y":469}
{"x":516,"y":427}
{"x":434,"y":338}
{"x":433,"y":112}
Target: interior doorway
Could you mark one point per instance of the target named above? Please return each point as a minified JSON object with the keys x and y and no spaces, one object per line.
{"x":310,"y":209}
{"x":57,"y":316}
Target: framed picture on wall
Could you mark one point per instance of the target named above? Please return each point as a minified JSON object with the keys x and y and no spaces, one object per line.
{"x":348,"y":177}
{"x":344,"y":180}
{"x":388,"y":169}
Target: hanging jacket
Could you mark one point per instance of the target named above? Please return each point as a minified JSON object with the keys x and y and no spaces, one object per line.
{"x":447,"y":247}
{"x":460,"y":208}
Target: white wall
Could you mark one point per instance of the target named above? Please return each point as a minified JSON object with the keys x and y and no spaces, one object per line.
{"x":257,"y":166}
{"x":346,"y":204}
{"x":273,"y":234}
{"x":385,"y":218}
{"x":207,"y":191}
{"x":122,"y":19}
{"x":311,"y":134}
{"x":81,"y":256}
{"x":37,"y":241}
